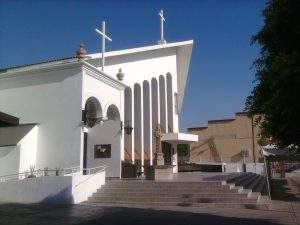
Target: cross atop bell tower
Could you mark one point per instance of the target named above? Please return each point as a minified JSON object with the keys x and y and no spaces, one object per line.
{"x":162,"y":20}
{"x":104,"y":38}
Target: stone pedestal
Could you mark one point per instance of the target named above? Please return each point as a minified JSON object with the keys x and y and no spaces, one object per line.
{"x":159,"y":172}
{"x":159,"y":159}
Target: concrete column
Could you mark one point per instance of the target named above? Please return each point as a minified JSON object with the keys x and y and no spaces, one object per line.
{"x":150,"y":124}
{"x":158,"y":102}
{"x":166,"y":102}
{"x":175,"y":158}
{"x":142,"y":128}
{"x":122,"y":119}
{"x":132,"y":124}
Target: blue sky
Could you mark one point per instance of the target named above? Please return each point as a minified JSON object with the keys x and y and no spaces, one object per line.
{"x":220,"y":77}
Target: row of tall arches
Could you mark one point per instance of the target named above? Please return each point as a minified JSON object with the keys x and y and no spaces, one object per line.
{"x":147,"y":105}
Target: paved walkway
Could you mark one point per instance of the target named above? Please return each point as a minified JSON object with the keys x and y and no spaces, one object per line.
{"x":35,"y":214}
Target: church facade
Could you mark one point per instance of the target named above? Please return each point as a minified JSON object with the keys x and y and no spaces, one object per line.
{"x":70,"y":113}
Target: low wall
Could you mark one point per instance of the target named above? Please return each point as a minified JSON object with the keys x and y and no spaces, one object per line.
{"x":51,"y":189}
{"x":250,"y":167}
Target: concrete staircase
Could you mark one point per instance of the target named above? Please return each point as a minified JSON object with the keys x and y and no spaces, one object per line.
{"x":179,"y":193}
{"x":254,"y":185}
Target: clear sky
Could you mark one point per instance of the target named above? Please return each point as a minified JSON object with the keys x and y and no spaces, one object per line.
{"x":220,"y":77}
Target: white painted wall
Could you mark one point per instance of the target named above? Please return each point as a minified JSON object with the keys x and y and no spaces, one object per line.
{"x":28,"y":150}
{"x":145,"y":66}
{"x":51,"y":189}
{"x":18,"y":159}
{"x":109,"y":132}
{"x":53,"y":100}
{"x":106,"y":133}
{"x":138,"y":69}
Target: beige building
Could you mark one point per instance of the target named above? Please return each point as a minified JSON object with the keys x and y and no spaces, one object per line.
{"x":226,"y":140}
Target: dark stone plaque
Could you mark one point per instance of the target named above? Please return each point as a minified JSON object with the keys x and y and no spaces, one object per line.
{"x":102,"y":151}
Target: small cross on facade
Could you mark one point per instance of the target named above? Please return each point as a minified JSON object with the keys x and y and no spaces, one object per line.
{"x":104,"y":38}
{"x":162,"y":20}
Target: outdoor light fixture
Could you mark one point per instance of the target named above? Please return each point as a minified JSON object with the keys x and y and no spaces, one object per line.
{"x":127,"y":127}
{"x":128,"y":130}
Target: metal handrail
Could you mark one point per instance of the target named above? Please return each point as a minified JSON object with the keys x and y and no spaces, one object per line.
{"x":47,"y":172}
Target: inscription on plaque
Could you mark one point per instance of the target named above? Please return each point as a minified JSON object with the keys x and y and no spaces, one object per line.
{"x":102,"y":151}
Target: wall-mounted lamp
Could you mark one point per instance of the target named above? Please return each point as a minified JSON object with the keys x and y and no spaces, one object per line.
{"x":127,"y":128}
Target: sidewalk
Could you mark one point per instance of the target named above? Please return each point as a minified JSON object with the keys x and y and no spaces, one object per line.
{"x":36,"y":214}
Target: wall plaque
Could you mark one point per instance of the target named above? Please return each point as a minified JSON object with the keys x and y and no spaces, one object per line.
{"x":102,"y":151}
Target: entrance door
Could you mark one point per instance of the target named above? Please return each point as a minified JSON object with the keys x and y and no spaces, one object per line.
{"x":167,"y":150}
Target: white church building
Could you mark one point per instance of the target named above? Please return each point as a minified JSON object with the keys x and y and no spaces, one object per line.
{"x":94,"y":110}
{"x":53,"y":101}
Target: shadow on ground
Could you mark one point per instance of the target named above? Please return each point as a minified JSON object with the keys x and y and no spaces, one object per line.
{"x":42,"y":214}
{"x":282,"y":190}
{"x":131,"y":216}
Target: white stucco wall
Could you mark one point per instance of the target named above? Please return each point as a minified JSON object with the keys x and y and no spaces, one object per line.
{"x":141,"y":68}
{"x":18,"y":159}
{"x":106,"y":133}
{"x":51,"y":189}
{"x":145,"y":66}
{"x":28,"y":150}
{"x":53,"y":100}
{"x":109,"y":131}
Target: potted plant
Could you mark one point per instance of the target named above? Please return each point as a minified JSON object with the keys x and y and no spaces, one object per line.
{"x":32,"y":171}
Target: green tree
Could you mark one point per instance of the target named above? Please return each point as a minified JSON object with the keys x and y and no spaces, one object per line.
{"x":276,"y":95}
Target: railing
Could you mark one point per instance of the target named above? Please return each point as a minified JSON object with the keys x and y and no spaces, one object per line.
{"x":72,"y":171}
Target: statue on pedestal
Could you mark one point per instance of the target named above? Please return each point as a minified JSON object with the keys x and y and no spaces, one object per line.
{"x":159,"y":156}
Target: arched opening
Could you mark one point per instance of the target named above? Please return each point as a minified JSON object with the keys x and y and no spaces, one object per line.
{"x":128,"y":140}
{"x":155,"y":109}
{"x":113,"y":113}
{"x":93,"y":112}
{"x":170,"y":102}
{"x":163,"y":103}
{"x":138,"y":128}
{"x":147,"y":124}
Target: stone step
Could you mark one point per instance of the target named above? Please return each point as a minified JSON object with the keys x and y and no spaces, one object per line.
{"x":238,"y":177}
{"x":261,"y":184}
{"x":253,"y":184}
{"x":224,"y":189}
{"x":169,"y":194}
{"x":177,"y":200}
{"x":243,"y":179}
{"x":246,"y":182}
{"x":166,"y":204}
{"x":162,"y":184}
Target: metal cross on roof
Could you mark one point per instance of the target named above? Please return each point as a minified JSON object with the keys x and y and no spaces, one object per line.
{"x":104,"y":38}
{"x":162,"y":20}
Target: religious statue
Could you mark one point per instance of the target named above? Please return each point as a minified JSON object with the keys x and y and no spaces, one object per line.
{"x":158,"y":138}
{"x":159,"y":159}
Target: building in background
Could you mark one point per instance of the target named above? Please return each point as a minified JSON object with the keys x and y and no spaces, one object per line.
{"x":227,"y":141}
